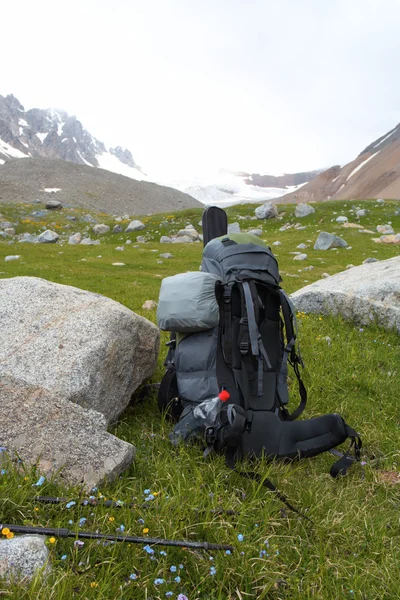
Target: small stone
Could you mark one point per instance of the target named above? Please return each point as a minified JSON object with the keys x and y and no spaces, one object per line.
{"x":165,"y":239}
{"x":341,"y":219}
{"x":75,"y":239}
{"x":380,"y":201}
{"x":87,"y":242}
{"x":303,"y":210}
{"x":10,"y":230}
{"x":22,"y":556}
{"x":276,"y":243}
{"x":134,"y":226}
{"x":310,"y":268}
{"x":166,"y":255}
{"x":362,"y":212}
{"x":300,"y":257}
{"x":5,"y":225}
{"x":100,"y":229}
{"x":71,"y":218}
{"x":27,"y":238}
{"x":141,"y":239}
{"x":385,"y":229}
{"x":188,"y":231}
{"x":256,"y":232}
{"x":326,"y":241}
{"x":325,"y":275}
{"x":266,"y":211}
{"x":302,"y":246}
{"x":369,"y":260}
{"x":11,"y":257}
{"x":234,"y":228}
{"x":149,"y":305}
{"x":47,"y":237}
{"x":118,"y":229}
{"x":350,"y":266}
{"x":129,"y":242}
{"x":328,"y":339}
{"x":53,"y":205}
{"x":184,"y":239}
{"x":118,"y":264}
{"x":121,"y":248}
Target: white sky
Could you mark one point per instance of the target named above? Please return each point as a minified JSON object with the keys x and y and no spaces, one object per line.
{"x":195,"y":85}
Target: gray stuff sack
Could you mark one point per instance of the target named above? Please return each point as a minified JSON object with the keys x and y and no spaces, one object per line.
{"x":187,"y":303}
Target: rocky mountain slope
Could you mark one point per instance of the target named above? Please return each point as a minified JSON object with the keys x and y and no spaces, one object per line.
{"x":375,"y":173}
{"x":54,"y":134}
{"x":79,"y":185}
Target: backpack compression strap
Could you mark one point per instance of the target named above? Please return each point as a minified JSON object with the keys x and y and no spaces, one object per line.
{"x":292,"y":357}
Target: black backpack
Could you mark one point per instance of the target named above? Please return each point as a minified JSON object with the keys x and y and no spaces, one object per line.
{"x":246,"y":355}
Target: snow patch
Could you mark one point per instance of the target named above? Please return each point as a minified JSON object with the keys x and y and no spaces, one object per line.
{"x":59,"y":129}
{"x":84,"y":160}
{"x":109,"y":162}
{"x":52,"y":190}
{"x":42,"y":136}
{"x":361,"y":165}
{"x":333,"y":180}
{"x":2,"y":162}
{"x":22,"y":122}
{"x":11,"y":152}
{"x":385,"y":138}
{"x":64,"y":140}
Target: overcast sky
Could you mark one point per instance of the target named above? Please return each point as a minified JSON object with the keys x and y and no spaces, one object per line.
{"x":194,"y":85}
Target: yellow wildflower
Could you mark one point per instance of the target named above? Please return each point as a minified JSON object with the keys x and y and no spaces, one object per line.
{"x":145,"y":530}
{"x":5,"y":531}
{"x":111,"y":519}
{"x":10,"y":535}
{"x":94,"y":584}
{"x":52,"y":540}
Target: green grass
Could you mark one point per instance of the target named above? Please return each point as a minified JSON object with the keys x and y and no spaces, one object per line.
{"x":353,"y":548}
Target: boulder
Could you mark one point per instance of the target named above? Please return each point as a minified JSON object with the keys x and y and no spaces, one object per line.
{"x":390,"y":239}
{"x":362,"y":212}
{"x":80,"y":345}
{"x":189,"y":231}
{"x":182,"y":239}
{"x":303,"y":210}
{"x":118,"y":229}
{"x":27,"y":238}
{"x":47,"y":237}
{"x":234,"y":227}
{"x":166,"y":255}
{"x":385,"y":229}
{"x":266,"y":211}
{"x":256,"y":232}
{"x":100,"y":228}
{"x":300,"y":257}
{"x":326,"y":241}
{"x":22,"y":556}
{"x":53,"y":205}
{"x":135,"y":226}
{"x":10,"y":230}
{"x":75,"y":239}
{"x":5,"y":224}
{"x":365,"y":294}
{"x":341,"y":219}
{"x":62,"y":438}
{"x":12,"y":257}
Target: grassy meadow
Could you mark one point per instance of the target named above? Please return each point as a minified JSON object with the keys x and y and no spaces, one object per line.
{"x":352,"y":549}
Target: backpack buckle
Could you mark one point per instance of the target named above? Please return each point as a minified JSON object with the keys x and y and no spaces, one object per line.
{"x":244,"y":347}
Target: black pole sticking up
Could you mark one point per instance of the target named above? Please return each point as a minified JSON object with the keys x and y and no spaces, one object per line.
{"x":92,"y":535}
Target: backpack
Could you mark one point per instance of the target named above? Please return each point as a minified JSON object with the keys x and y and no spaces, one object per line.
{"x":233,"y":337}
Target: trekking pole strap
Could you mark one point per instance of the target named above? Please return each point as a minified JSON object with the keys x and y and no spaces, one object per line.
{"x":341,"y":466}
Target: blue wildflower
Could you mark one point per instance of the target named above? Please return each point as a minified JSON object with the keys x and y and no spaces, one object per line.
{"x":40,"y":481}
{"x":181,"y":566}
{"x":148,"y":549}
{"x":64,"y":557}
{"x":3,"y":471}
{"x":182,"y":597}
{"x":145,"y":492}
{"x":163,"y":553}
{"x":177,"y":579}
{"x":267,"y":543}
{"x":213,"y":570}
{"x":168,"y":594}
{"x":70,"y":522}
{"x":141,"y":521}
{"x":211,"y":557}
{"x":133,"y":576}
{"x":70,"y":504}
{"x":94,"y":489}
{"x":263,"y":553}
{"x":82,"y":521}
{"x":121,"y":528}
{"x":240,"y":537}
{"x":228,"y":552}
{"x":149,"y":497}
{"x":173,"y":569}
{"x":159,"y":581}
{"x":277,"y":552}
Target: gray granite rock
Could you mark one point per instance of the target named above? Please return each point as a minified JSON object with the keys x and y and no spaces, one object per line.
{"x":303,"y":210}
{"x":300,"y":257}
{"x":75,"y":239}
{"x":84,"y":346}
{"x":266,"y":211}
{"x":365,"y":294}
{"x":100,"y":228}
{"x":27,"y":238}
{"x":118,"y":229}
{"x":327,"y":241}
{"x":87,"y":242}
{"x":385,"y":229}
{"x":166,"y":255}
{"x":341,"y":219}
{"x":47,"y":237}
{"x":234,"y":227}
{"x":362,"y":212}
{"x":182,"y":239}
{"x":12,"y":257}
{"x":135,"y":225}
{"x":302,"y":246}
{"x":22,"y":556}
{"x":256,"y":232}
{"x":165,"y":239}
{"x":53,"y":205}
{"x":189,"y":231}
{"x":369,"y":260}
{"x":62,"y":438}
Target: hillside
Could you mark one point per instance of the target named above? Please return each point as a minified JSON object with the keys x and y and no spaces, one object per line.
{"x":82,"y":186}
{"x":374,"y":173}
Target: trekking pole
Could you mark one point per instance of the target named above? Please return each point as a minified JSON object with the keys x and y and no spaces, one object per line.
{"x":115,"y":504}
{"x":92,"y":535}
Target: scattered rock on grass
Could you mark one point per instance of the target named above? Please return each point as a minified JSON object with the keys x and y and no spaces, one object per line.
{"x":385,"y":229}
{"x":134,"y":226}
{"x":75,"y":239}
{"x":47,"y":237}
{"x":266,"y":211}
{"x":53,"y":205}
{"x":21,"y":557}
{"x":100,"y":228}
{"x":327,"y":241}
{"x":303,"y":210}
{"x":149,"y":305}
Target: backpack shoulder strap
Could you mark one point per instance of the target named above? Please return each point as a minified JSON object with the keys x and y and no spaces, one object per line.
{"x":290,"y":355}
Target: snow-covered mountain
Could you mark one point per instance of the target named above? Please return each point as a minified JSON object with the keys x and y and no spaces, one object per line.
{"x":374,"y":173}
{"x":54,"y":134}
